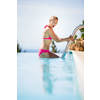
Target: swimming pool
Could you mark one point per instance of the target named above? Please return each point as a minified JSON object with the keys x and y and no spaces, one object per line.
{"x":46,"y":79}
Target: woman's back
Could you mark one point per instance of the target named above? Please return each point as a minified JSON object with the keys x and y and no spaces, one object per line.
{"x":46,"y":40}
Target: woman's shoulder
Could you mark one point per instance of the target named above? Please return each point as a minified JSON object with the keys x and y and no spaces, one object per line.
{"x":47,"y":29}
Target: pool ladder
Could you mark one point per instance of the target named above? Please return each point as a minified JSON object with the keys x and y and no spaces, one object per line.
{"x":69,"y":42}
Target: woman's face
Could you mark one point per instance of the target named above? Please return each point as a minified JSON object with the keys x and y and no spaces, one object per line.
{"x":53,"y":22}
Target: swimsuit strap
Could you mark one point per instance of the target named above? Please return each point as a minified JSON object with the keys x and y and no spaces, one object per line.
{"x":49,"y":36}
{"x":46,"y":26}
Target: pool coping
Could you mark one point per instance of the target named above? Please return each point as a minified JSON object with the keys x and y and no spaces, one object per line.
{"x":79,"y":66}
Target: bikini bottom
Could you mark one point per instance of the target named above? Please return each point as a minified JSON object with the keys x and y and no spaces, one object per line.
{"x":43,"y":51}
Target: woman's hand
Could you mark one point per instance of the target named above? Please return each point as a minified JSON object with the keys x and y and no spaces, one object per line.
{"x":71,"y":38}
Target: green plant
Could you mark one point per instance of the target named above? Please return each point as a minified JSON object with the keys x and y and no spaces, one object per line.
{"x":54,"y":48}
{"x":18,"y":48}
{"x":74,"y":38}
{"x":82,"y":30}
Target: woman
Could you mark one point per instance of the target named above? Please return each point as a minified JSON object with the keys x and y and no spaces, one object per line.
{"x":48,"y":35}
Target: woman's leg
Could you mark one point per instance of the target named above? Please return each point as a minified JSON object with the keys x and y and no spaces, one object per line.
{"x":52,"y":55}
{"x":44,"y":55}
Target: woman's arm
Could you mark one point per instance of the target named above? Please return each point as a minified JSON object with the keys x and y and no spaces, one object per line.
{"x":52,"y":34}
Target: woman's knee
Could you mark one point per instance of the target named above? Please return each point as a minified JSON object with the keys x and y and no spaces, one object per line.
{"x":52,"y":55}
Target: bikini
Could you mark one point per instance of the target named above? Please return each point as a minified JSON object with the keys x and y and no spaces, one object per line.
{"x":42,"y":50}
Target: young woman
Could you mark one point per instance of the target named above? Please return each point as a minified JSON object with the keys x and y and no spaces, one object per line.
{"x":48,"y":35}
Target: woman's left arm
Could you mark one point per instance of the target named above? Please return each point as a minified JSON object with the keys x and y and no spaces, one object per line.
{"x":52,"y":34}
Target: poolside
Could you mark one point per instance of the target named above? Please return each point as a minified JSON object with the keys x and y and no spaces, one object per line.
{"x":46,"y":79}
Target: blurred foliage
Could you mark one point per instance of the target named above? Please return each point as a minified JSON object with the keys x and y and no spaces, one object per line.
{"x":74,"y":38}
{"x":82,"y":30}
{"x":24,"y":51}
{"x":54,"y":48}
{"x":82,"y":33}
{"x":18,"y":47}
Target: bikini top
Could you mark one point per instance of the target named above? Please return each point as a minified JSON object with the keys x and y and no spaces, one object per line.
{"x":49,"y":36}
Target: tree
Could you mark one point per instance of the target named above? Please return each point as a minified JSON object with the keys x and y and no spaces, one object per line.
{"x":54,"y":48}
{"x":74,"y":38}
{"x":82,"y":30}
{"x":18,"y":48}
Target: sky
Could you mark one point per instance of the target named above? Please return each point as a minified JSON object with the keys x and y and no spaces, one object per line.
{"x":33,"y":15}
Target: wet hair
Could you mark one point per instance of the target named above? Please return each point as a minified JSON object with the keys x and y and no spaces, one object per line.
{"x":53,"y":17}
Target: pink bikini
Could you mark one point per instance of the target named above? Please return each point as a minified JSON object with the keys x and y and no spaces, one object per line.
{"x":42,"y":50}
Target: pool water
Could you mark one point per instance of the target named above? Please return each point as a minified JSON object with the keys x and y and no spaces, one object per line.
{"x":46,"y":79}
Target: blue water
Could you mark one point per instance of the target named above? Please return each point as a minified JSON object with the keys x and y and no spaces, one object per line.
{"x":46,"y":79}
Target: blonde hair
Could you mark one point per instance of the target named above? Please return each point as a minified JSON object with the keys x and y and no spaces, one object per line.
{"x":53,"y":17}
